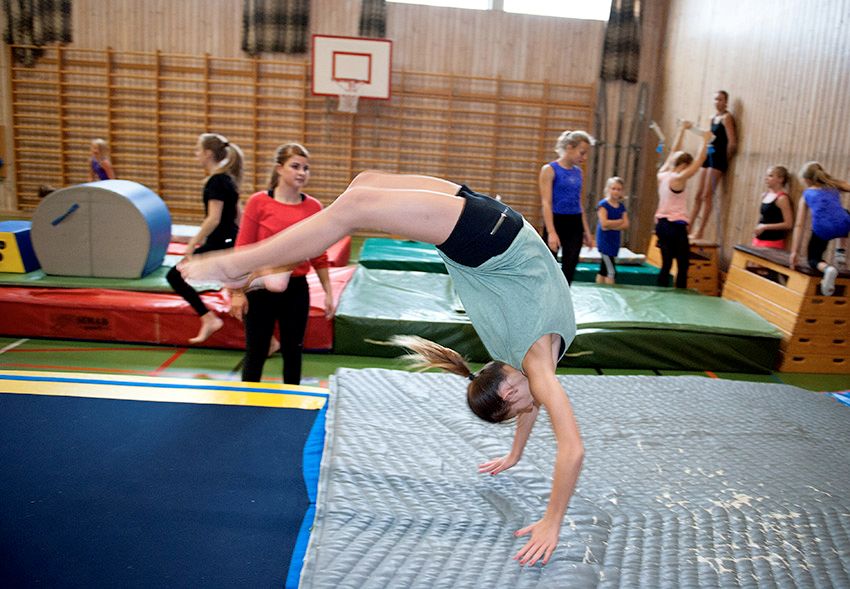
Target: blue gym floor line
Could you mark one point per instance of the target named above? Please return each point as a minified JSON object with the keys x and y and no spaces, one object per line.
{"x":310,"y":467}
{"x":155,"y":385}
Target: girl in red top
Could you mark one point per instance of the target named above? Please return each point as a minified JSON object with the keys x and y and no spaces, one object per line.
{"x":267,"y":213}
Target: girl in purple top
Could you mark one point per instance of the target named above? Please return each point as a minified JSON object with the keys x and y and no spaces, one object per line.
{"x":99,"y":165}
{"x":613,"y":218}
{"x":560,"y":182}
{"x":830,"y":220}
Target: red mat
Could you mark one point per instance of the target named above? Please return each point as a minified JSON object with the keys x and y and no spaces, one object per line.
{"x":144,"y":317}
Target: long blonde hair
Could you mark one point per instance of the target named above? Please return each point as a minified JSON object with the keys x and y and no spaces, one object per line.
{"x":482,"y":393}
{"x":814,"y":173}
{"x":227,"y":155}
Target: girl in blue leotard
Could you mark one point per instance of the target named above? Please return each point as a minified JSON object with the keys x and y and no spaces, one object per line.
{"x":830,"y":220}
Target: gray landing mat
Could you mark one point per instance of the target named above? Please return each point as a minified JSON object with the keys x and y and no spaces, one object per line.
{"x":687,"y":482}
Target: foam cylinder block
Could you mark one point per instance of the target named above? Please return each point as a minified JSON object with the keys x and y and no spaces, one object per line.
{"x":107,"y":229}
{"x":16,"y":253}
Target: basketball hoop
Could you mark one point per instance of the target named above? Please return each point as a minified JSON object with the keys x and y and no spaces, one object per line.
{"x":349,"y":93}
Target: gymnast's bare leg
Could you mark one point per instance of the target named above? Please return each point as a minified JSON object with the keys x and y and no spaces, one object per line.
{"x":422,"y":208}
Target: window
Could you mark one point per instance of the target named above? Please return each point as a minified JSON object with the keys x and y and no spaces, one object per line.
{"x":475,"y":4}
{"x":584,"y":9}
{"x":589,"y":9}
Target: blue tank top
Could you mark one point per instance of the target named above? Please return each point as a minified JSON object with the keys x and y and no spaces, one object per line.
{"x":566,"y":190}
{"x":608,"y":241}
{"x":829,"y":218}
{"x":98,"y":170}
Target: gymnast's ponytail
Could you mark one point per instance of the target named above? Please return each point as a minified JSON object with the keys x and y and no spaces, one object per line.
{"x":482,"y":393}
{"x":227,"y":155}
{"x":814,"y":173}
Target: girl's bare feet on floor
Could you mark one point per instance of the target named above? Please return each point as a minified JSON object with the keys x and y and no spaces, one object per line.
{"x":210,"y":323}
{"x":274,"y":346}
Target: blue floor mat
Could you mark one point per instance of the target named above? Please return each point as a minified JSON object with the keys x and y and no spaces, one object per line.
{"x":116,"y":493}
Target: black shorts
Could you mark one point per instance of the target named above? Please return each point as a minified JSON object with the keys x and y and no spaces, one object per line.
{"x":485,"y":228}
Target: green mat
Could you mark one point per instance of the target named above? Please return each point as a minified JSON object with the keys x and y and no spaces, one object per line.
{"x":153,"y":282}
{"x":623,"y":326}
{"x":641,"y":274}
{"x":400,"y":254}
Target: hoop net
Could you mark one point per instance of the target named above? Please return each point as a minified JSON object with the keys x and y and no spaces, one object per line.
{"x":349,"y":93}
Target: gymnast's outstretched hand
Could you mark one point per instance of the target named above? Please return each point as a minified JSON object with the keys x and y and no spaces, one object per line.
{"x":544,"y":539}
{"x":497,"y":465}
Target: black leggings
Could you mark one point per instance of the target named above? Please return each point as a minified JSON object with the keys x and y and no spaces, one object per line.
{"x":290,"y":309}
{"x":570,"y":232}
{"x":814,"y":253}
{"x":183,"y":289}
{"x":674,"y":245}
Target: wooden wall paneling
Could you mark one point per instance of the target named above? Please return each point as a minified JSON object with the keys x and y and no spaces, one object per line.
{"x":786,"y":68}
{"x":157,"y":81}
{"x":485,"y":44}
{"x":488,"y":132}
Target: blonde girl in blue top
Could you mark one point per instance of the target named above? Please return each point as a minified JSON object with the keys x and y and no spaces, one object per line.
{"x":830,"y":220}
{"x":512,"y":289}
{"x":612,"y":218}
{"x":560,"y":183}
{"x":100,"y":168}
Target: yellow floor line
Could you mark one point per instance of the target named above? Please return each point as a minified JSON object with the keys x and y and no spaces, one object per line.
{"x":173,"y":390}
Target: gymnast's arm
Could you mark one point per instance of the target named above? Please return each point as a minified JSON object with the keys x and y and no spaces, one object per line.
{"x":524,"y":425}
{"x":677,"y":143}
{"x":539,"y":365}
{"x":678,"y":179}
{"x":612,"y":224}
{"x":544,"y":181}
{"x":211,"y":221}
{"x":107,"y":167}
{"x":732,"y":136}
{"x":797,"y":234}
{"x":325,"y":279}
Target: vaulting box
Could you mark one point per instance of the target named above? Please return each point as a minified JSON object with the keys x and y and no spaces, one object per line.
{"x":16,"y":253}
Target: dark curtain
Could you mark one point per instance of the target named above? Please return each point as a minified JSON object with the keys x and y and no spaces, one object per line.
{"x":275,"y":25}
{"x":621,"y":49}
{"x":35,"y":22}
{"x":373,"y":18}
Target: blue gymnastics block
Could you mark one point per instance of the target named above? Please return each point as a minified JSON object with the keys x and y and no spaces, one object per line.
{"x":105,"y":229}
{"x":16,"y":253}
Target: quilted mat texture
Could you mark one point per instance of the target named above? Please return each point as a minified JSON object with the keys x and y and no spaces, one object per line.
{"x":687,"y":482}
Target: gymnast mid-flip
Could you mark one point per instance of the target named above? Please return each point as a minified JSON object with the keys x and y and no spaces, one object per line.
{"x":514,"y":293}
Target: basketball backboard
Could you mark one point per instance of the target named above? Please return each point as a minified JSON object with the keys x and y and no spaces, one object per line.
{"x":342,"y":62}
